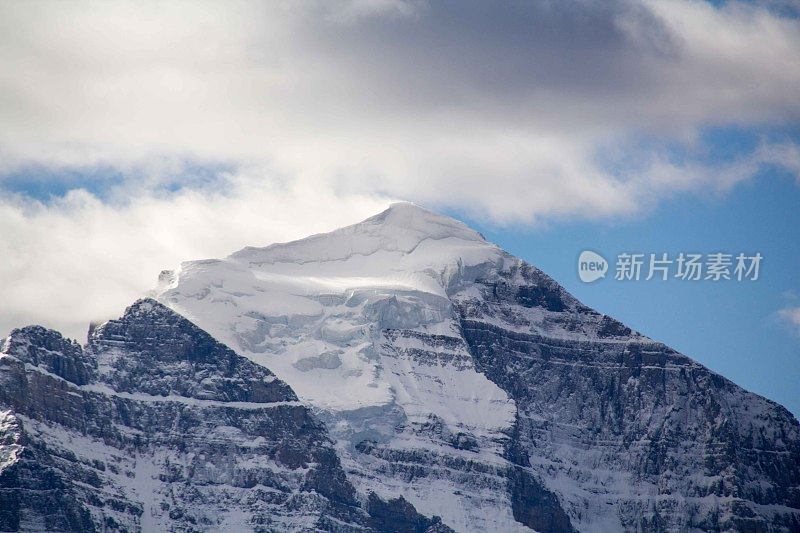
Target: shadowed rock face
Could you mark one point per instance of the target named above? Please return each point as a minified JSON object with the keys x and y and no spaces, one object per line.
{"x":156,"y":426}
{"x":155,"y":351}
{"x":661,"y":442}
{"x":400,"y":516}
{"x":50,"y":351}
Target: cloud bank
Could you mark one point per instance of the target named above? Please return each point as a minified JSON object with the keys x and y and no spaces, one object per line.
{"x":312,"y":114}
{"x":79,"y":259}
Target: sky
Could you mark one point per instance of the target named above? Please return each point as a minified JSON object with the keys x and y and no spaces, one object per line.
{"x":137,"y":135}
{"x":748,"y":331}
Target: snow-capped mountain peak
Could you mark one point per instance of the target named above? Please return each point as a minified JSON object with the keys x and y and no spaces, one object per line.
{"x":400,"y":228}
{"x":309,"y":309}
{"x":472,"y":384}
{"x":459,"y":387}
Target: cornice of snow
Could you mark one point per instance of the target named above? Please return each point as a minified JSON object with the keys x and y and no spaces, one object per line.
{"x":403,"y":227}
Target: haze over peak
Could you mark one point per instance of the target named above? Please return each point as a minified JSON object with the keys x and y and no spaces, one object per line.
{"x":400,"y":228}
{"x":410,"y":217}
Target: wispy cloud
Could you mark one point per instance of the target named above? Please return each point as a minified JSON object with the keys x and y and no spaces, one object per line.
{"x":791,"y":317}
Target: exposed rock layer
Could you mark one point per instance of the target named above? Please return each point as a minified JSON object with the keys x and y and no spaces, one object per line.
{"x":156,"y":426}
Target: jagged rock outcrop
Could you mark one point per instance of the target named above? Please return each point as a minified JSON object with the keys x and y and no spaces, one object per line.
{"x":158,"y":427}
{"x":636,"y":435}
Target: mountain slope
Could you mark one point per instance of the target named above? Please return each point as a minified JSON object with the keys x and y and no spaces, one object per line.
{"x":156,"y":426}
{"x":470,"y":383}
{"x":634,"y":434}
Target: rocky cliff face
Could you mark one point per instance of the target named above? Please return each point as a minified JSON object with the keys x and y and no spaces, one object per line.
{"x":419,"y":372}
{"x":634,"y":435}
{"x":157,"y":427}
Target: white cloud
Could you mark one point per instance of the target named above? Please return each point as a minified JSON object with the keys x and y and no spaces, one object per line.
{"x":515,"y":112}
{"x":404,"y":97}
{"x":80,"y":259}
{"x":791,"y":317}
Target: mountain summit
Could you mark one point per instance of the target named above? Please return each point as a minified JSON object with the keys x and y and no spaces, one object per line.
{"x":305,"y":308}
{"x":434,"y":381}
{"x":400,"y":228}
